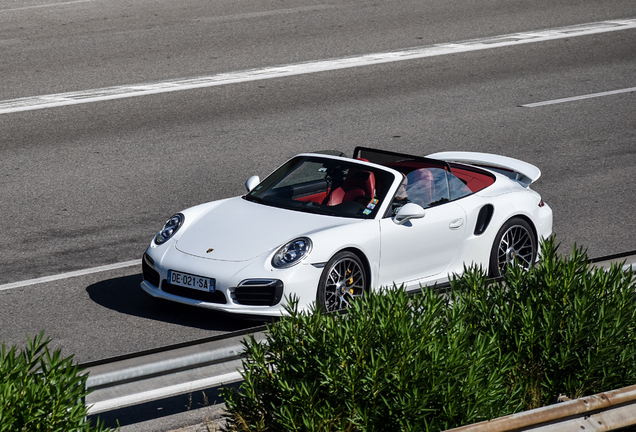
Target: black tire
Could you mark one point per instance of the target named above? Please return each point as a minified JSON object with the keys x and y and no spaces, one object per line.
{"x":515,"y":242}
{"x":343,"y":279}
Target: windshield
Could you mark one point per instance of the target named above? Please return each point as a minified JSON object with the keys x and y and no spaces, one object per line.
{"x":325,"y":186}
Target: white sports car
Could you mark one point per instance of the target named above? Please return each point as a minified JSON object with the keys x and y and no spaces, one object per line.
{"x":328,"y":228}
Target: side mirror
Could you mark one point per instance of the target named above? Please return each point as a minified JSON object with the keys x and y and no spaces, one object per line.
{"x":252,"y":182}
{"x":407,"y":212}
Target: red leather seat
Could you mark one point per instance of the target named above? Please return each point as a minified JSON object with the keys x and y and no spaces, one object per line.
{"x":359,"y":185}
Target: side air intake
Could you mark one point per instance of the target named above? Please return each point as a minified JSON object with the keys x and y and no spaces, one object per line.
{"x":483,"y":219}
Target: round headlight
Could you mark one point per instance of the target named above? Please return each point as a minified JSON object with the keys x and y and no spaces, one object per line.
{"x":169,"y":228}
{"x":292,"y":253}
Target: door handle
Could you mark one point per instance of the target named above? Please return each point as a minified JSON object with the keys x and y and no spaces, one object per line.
{"x":456,"y":224}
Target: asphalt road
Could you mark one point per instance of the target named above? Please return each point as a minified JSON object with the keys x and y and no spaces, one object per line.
{"x":89,"y":184}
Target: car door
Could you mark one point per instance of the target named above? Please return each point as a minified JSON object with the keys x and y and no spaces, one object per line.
{"x":420,"y":248}
{"x":424,"y":247}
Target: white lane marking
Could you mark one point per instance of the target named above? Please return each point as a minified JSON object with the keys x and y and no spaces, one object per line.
{"x":164,"y":392}
{"x":46,"y":279}
{"x":45,"y":5}
{"x":128,"y":91}
{"x":576,"y":98}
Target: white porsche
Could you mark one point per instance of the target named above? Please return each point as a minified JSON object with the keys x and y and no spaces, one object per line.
{"x":326,"y":228}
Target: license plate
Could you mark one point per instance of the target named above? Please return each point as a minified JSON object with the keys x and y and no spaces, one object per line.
{"x":191,"y":281}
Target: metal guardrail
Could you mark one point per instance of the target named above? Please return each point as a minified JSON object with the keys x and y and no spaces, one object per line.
{"x":169,"y":371}
{"x":197,"y":365}
{"x":601,"y":412}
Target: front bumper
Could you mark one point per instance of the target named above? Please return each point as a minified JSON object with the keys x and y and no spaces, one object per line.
{"x":246,"y":288}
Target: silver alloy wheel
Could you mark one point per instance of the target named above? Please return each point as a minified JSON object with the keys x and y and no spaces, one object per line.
{"x":516,"y":246}
{"x":346,"y":281}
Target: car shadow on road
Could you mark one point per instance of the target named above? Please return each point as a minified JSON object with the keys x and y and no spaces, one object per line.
{"x":124,"y":295}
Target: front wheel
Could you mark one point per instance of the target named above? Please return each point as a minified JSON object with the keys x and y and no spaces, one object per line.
{"x":343,"y":280}
{"x":514,"y":244}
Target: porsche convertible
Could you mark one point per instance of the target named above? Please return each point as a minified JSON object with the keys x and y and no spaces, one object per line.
{"x":327,"y":228}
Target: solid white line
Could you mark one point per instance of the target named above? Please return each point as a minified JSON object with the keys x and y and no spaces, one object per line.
{"x":173,"y":390}
{"x":576,"y":98}
{"x":84,"y":272}
{"x":128,"y":91}
{"x":45,"y":5}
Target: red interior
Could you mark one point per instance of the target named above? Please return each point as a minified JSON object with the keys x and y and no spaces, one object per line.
{"x":358,"y":184}
{"x":475,"y":181}
{"x":362,"y":183}
{"x":317,"y":198}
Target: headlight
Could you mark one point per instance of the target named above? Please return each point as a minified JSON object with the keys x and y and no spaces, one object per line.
{"x":292,"y":253}
{"x":170,"y":228}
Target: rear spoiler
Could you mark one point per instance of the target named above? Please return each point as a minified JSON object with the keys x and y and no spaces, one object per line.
{"x":517,"y":170}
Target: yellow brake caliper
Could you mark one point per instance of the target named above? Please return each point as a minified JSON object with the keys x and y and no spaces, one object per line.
{"x":350,"y":280}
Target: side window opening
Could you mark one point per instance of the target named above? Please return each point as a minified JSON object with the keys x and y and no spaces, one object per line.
{"x":427,"y":187}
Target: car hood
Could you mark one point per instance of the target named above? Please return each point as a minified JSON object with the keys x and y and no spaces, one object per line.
{"x":240,"y":230}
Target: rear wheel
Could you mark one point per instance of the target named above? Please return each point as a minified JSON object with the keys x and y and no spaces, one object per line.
{"x":514,"y":244}
{"x":342,"y":281}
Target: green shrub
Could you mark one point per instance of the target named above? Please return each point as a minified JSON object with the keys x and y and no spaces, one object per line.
{"x":40,"y":391}
{"x":394,"y":362}
{"x":485,"y":349}
{"x":570,"y":327}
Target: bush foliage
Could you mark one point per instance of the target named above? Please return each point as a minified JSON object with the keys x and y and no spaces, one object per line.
{"x":41,"y":391}
{"x":432,"y":362}
{"x":570,"y":327}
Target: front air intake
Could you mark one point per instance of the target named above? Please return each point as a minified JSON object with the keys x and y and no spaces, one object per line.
{"x":258,"y":292}
{"x":147,"y":269}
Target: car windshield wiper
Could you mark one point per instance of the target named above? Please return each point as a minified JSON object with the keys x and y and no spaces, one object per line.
{"x":320,"y":210}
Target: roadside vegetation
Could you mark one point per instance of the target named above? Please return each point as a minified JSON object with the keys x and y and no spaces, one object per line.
{"x":42,"y":391}
{"x":431,"y":362}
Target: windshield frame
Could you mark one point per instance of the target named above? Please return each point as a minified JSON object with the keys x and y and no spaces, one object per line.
{"x":267,"y":192}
